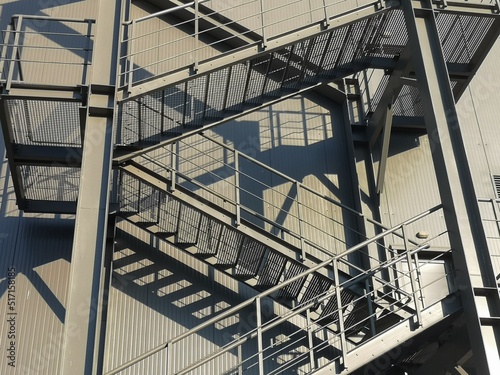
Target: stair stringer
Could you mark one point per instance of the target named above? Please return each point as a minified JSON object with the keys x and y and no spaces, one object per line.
{"x":399,"y":335}
{"x":225,"y":218}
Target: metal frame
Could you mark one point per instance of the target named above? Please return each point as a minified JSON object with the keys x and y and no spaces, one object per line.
{"x":475,"y":273}
{"x":477,"y":280}
{"x":82,"y":320}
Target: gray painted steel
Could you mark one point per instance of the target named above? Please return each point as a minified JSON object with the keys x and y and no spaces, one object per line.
{"x":455,"y":184}
{"x":152,"y":300}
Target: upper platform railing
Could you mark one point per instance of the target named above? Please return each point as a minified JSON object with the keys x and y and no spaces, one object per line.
{"x":156,"y":45}
{"x":47,"y":52}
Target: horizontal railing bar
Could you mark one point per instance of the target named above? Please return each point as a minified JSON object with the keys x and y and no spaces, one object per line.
{"x":259,"y":215}
{"x":163,"y":12}
{"x":287,"y":316}
{"x":52,"y":33}
{"x":55,"y":19}
{"x":24,"y":46}
{"x":48,"y":62}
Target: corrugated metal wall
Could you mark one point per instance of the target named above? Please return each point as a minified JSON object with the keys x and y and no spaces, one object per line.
{"x":479,"y":115}
{"x":159,"y":292}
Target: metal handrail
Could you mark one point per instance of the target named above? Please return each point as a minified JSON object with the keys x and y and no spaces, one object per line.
{"x":295,"y":216}
{"x":11,"y":50}
{"x":249,"y":210}
{"x":129,"y":57}
{"x":256,"y":299}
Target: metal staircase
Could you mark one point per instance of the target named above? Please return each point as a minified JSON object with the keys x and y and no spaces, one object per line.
{"x":165,"y":95}
{"x":321,"y":297}
{"x":166,"y":107}
{"x":331,"y":303}
{"x":172,"y":104}
{"x":341,"y":318}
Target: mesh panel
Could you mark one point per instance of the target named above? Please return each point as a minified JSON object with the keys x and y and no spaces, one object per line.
{"x":189,"y":221}
{"x":150,"y":117}
{"x":316,"y":286}
{"x":408,"y":102}
{"x":229,"y":247}
{"x":214,"y":105}
{"x":169,"y":215}
{"x":235,"y":95}
{"x":277,"y":70}
{"x":257,"y":79}
{"x":271,"y":269}
{"x":195,"y":99}
{"x":379,"y":93}
{"x":461,"y":35}
{"x":208,"y":238}
{"x":334,"y":54}
{"x":250,"y":257}
{"x":390,"y":37}
{"x":292,"y":290}
{"x":44,"y":122}
{"x":50,"y":183}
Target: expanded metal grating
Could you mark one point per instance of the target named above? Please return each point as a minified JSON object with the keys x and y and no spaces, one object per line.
{"x":44,"y":122}
{"x":408,"y":102}
{"x":461,"y":35}
{"x":244,"y":85}
{"x":50,"y":183}
{"x":250,"y":258}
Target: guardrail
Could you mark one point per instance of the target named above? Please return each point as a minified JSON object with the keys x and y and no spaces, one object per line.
{"x":317,"y":224}
{"x":156,"y":45}
{"x":348,"y":334}
{"x":34,"y":45}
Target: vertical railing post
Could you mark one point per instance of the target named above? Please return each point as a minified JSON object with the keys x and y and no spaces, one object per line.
{"x":17,"y":34}
{"x":173,"y":166}
{"x":299,"y":214}
{"x":169,"y":361}
{"x":260,"y":345}
{"x":263,"y":25}
{"x":130,"y":46}
{"x":327,"y":17}
{"x":86,"y":58}
{"x":196,"y":34}
{"x":343,"y":341}
{"x":237,"y":186}
{"x":414,"y":288}
{"x":162,"y":118}
{"x":240,"y":357}
{"x":371,"y":310}
{"x":312,"y":361}
{"x":3,"y":53}
{"x":496,"y":214}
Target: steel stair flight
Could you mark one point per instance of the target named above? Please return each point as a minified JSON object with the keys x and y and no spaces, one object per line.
{"x":341,"y":312}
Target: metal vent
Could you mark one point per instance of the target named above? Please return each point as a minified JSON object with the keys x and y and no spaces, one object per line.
{"x":496,"y":182}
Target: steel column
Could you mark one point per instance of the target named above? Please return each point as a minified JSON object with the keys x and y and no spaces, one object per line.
{"x":462,"y":216}
{"x":81,"y":326}
{"x":385,"y":148}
